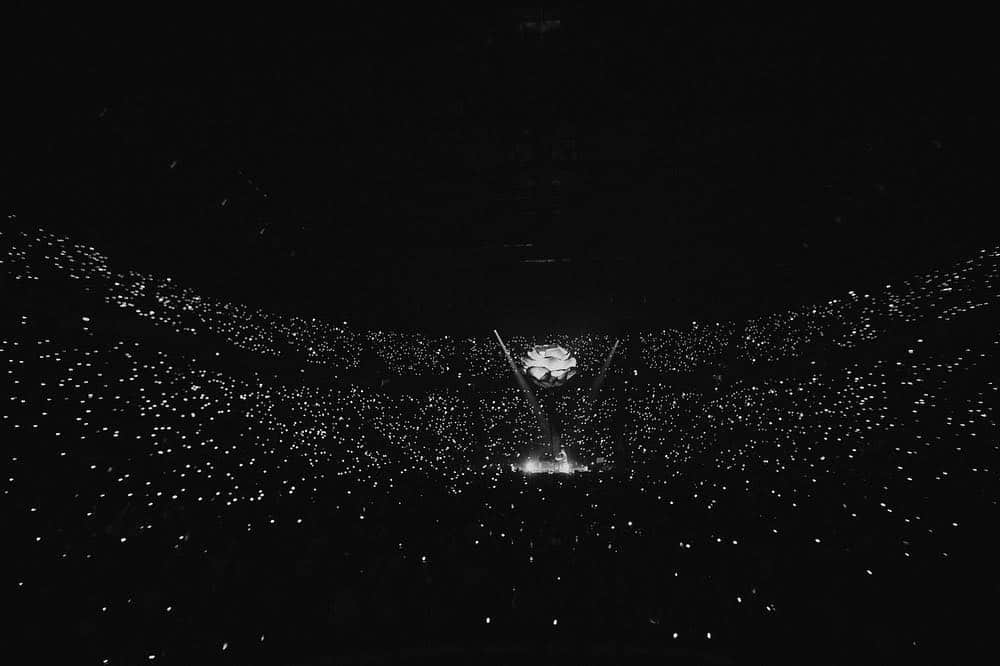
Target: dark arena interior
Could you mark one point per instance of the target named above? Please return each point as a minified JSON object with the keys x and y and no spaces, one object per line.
{"x":465,"y":336}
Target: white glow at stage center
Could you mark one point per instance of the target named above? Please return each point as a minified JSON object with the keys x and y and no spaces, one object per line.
{"x":533,"y":465}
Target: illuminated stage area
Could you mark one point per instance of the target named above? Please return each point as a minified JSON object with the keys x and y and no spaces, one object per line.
{"x":539,"y":464}
{"x":549,"y":367}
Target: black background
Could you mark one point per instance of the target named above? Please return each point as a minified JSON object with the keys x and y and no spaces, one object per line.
{"x":390,"y":167}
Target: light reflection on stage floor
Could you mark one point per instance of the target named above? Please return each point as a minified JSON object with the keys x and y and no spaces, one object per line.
{"x":538,"y":465}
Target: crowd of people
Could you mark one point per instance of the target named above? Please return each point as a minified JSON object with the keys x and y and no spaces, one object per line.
{"x":174,"y":498}
{"x":337,"y":346}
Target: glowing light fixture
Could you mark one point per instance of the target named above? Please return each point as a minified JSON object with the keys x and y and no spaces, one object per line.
{"x":549,"y":366}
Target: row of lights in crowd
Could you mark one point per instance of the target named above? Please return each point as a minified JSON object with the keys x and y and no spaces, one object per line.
{"x":838,"y":323}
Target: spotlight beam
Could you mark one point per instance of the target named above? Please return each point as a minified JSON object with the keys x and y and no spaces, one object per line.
{"x":529,"y":396}
{"x":596,"y":387}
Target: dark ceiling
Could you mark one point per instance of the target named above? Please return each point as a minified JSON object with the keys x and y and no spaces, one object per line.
{"x":570,"y":167}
